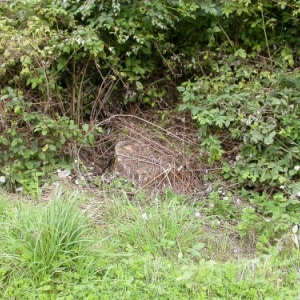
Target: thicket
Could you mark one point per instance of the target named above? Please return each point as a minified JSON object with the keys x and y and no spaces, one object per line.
{"x":233,"y":64}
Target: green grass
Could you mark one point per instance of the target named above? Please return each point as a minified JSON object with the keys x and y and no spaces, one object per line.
{"x":167,"y":227}
{"x":77,"y":247}
{"x":45,"y":239}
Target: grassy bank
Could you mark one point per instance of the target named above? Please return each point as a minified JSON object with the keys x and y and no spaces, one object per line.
{"x":83,"y":246}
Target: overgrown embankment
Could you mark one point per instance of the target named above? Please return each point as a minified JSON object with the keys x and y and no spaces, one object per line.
{"x":66,"y":68}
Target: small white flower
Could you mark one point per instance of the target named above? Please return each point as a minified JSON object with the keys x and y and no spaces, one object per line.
{"x":238,"y":157}
{"x":295,"y":229}
{"x":248,"y":122}
{"x":2,"y":179}
{"x":281,"y":187}
{"x":144,"y":216}
{"x":225,"y":198}
{"x":298,"y":194}
{"x":197,"y":214}
{"x":80,"y":41}
{"x":297,"y":168}
{"x":19,"y":190}
{"x":77,"y":181}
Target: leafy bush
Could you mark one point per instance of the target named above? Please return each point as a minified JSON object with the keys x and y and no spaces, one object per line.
{"x":35,"y":144}
{"x":63,"y":66}
{"x":79,"y":60}
{"x":251,"y":126}
{"x":248,"y":123}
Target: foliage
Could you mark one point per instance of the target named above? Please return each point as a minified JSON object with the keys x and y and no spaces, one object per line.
{"x":66,"y":65}
{"x":269,"y":216}
{"x":72,"y":63}
{"x":248,"y":123}
{"x":255,"y":121}
{"x":34,"y":144}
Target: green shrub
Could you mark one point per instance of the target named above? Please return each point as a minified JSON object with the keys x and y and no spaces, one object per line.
{"x":252,"y":126}
{"x":34,"y":145}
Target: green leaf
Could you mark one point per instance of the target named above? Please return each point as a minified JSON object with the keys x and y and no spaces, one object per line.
{"x":52,"y":147}
{"x":240,"y":53}
{"x":100,"y":130}
{"x":4,"y":97}
{"x":216,"y":29}
{"x":182,"y":107}
{"x":246,"y":175}
{"x":181,"y":88}
{"x":292,"y":172}
{"x":281,"y":179}
{"x":29,"y":164}
{"x":270,"y":138}
{"x":85,"y":127}
{"x":139,"y":86}
{"x":4,"y":141}
{"x":14,"y":142}
{"x":42,"y":155}
{"x":91,"y":139}
{"x":195,"y":110}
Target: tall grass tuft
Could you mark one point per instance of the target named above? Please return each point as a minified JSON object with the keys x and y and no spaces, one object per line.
{"x":45,"y":240}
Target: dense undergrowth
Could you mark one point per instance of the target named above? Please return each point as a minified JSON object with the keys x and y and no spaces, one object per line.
{"x":66,"y":67}
{"x":133,"y":249}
